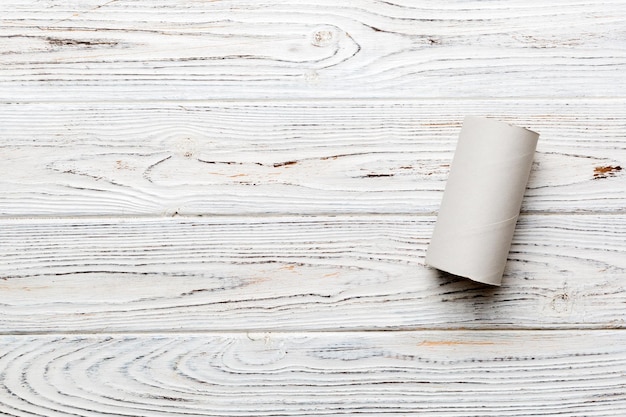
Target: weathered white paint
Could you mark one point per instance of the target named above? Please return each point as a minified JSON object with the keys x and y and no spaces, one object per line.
{"x":147,"y":49}
{"x":490,"y":373}
{"x":306,"y":146}
{"x":292,"y":273}
{"x":260,"y":157}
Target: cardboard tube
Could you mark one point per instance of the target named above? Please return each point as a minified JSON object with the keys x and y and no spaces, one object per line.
{"x":482,"y":199}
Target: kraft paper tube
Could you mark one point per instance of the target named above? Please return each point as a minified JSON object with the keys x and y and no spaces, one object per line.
{"x":482,"y":199}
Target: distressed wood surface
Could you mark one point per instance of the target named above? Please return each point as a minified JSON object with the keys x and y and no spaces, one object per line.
{"x":274,"y":374}
{"x":220,"y":208}
{"x":294,"y":273}
{"x":185,"y":49}
{"x":358,"y":156}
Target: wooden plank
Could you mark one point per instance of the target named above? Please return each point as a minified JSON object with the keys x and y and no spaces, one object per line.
{"x":291,"y":157}
{"x":488,"y":373}
{"x":294,"y":273}
{"x":183,"y":49}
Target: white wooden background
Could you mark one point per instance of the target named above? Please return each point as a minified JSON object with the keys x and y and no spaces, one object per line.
{"x":221,"y":208}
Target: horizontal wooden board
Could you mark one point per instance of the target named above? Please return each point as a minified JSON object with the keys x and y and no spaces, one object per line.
{"x":259,"y":157}
{"x":294,"y":273}
{"x":185,"y":49}
{"x":487,"y":373}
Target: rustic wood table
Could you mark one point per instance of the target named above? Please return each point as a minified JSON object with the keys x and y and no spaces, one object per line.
{"x":221,"y":208}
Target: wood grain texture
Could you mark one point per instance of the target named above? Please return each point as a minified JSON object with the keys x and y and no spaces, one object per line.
{"x":294,"y":273}
{"x":221,"y":208}
{"x":185,"y":49}
{"x":434,"y":373}
{"x":291,"y":157}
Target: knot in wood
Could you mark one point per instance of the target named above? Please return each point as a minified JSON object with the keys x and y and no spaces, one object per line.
{"x":323,"y":37}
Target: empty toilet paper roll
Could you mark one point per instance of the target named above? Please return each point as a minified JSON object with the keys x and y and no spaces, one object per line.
{"x":482,"y":199}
